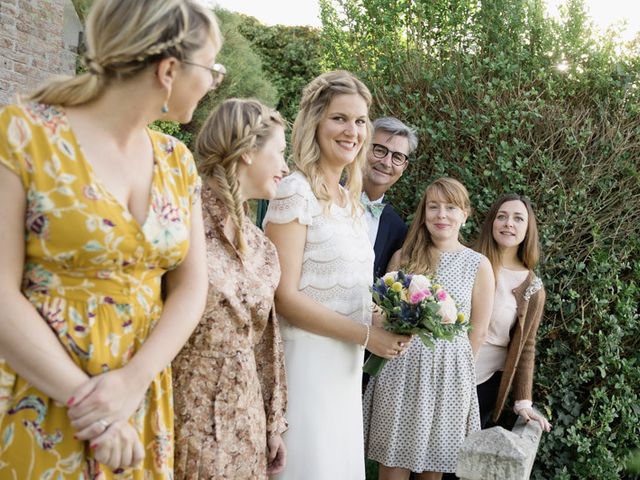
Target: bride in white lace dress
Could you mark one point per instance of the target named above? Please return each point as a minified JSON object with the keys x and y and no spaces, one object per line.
{"x":323,"y":298}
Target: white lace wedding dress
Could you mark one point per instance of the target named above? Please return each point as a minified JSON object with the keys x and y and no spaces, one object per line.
{"x":325,"y":437}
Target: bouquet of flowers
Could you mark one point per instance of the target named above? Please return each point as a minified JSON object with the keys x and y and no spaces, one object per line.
{"x":415,"y":305}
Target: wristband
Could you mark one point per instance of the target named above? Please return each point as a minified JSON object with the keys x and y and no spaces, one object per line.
{"x":520,"y":404}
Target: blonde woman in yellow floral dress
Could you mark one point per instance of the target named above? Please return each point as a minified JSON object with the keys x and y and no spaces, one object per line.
{"x":230,"y":391}
{"x":96,"y":208}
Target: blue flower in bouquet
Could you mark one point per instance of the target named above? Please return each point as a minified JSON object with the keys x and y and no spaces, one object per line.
{"x":380,"y":288}
{"x":405,"y":280}
{"x":410,"y":313}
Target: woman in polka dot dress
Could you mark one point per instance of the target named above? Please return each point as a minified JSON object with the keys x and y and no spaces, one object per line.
{"x":421,"y":407}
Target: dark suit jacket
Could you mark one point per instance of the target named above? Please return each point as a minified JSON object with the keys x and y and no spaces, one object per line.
{"x":390,"y":236}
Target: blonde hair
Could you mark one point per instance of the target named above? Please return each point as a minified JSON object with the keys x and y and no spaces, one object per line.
{"x":234,"y":129}
{"x":416,"y":253}
{"x":126,"y":36}
{"x":316,"y":98}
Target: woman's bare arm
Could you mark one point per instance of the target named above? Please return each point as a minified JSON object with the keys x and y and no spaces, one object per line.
{"x":307,"y":314}
{"x":28,"y":344}
{"x":481,"y":304}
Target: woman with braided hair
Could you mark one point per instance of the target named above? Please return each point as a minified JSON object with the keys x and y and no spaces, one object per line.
{"x":96,"y":209}
{"x":229,"y":381}
{"x":318,"y":228}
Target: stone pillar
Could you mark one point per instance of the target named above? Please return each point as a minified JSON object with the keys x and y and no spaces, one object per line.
{"x":499,"y":454}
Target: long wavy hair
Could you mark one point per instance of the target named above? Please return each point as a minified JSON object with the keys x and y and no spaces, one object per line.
{"x":416,"y":254}
{"x":124,"y":37}
{"x":528,"y":250}
{"x":235,"y":128}
{"x":316,"y":98}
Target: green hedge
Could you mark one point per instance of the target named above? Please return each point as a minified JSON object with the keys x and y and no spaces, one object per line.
{"x":480,"y":83}
{"x":290,"y":57}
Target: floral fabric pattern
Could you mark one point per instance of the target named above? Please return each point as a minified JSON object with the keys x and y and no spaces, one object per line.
{"x":229,"y":380}
{"x":93,"y":273}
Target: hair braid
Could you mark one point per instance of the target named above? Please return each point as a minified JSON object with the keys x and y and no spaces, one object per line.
{"x":162,"y":47}
{"x":225,"y":194}
{"x":125,"y":37}
{"x":237,"y":127}
{"x":236,"y":212}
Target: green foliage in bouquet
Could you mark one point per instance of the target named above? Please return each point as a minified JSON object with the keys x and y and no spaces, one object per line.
{"x":422,"y":318}
{"x":414,"y":305}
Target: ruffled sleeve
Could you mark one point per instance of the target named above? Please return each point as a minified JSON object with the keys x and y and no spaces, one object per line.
{"x":16,"y":143}
{"x":294,"y":201}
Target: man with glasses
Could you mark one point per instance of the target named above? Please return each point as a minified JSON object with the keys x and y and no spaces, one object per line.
{"x":393,"y":142}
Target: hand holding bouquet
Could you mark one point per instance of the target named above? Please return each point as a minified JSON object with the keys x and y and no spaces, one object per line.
{"x":414,"y":305}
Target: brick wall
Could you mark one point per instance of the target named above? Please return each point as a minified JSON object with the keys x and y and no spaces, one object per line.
{"x":32,"y":45}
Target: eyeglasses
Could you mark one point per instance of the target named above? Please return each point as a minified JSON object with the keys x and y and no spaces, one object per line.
{"x":218,"y":71}
{"x":397,"y":158}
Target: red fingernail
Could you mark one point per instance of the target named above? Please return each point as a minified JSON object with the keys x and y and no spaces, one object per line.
{"x":94,"y":445}
{"x":70,"y":401}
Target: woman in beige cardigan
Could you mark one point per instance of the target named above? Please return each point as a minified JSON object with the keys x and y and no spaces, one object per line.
{"x":509,"y":239}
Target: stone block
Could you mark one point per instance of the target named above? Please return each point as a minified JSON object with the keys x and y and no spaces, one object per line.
{"x":499,"y":454}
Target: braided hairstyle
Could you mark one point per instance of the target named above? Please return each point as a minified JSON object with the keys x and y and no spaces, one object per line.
{"x":316,"y":98}
{"x":124,"y":37}
{"x":237,"y":127}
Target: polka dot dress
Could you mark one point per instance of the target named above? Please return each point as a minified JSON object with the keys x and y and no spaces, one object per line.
{"x":421,"y":407}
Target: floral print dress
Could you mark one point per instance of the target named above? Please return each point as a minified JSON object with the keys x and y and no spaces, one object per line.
{"x":93,"y":273}
{"x":229,"y":379}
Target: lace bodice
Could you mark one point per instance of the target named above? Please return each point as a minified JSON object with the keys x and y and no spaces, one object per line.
{"x":337,"y":261}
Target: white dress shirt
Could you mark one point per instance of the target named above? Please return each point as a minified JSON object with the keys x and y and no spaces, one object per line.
{"x":372,"y":222}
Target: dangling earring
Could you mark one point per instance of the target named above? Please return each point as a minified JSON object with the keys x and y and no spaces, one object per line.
{"x":165,"y":105}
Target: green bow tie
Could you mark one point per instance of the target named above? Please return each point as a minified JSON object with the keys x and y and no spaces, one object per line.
{"x":374,"y":208}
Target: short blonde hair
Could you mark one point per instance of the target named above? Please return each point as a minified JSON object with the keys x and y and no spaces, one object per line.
{"x":316,"y":98}
{"x":235,"y":128}
{"x":124,"y":37}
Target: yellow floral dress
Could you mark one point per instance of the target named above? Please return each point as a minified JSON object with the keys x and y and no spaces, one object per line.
{"x":93,"y":273}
